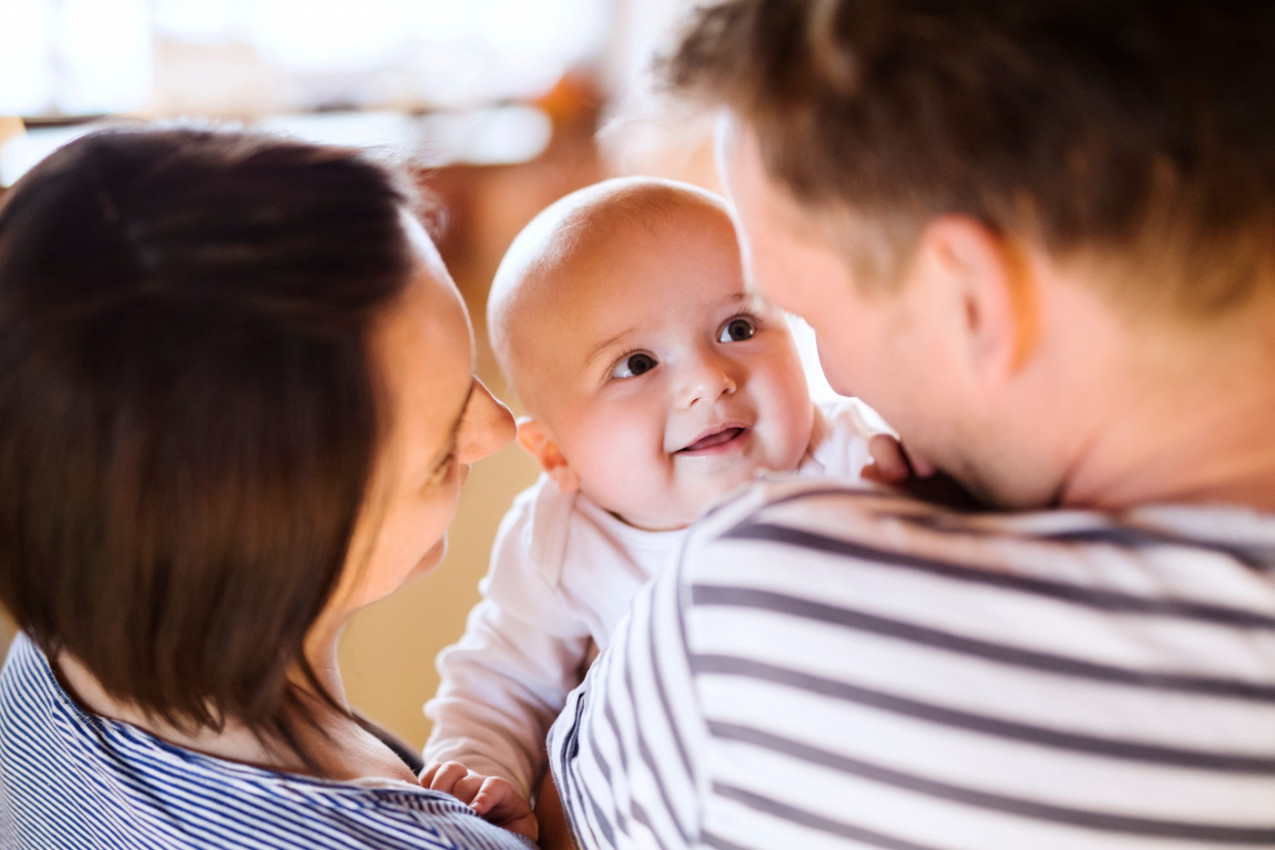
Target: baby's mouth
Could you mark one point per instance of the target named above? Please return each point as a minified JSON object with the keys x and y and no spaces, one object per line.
{"x":713,"y":440}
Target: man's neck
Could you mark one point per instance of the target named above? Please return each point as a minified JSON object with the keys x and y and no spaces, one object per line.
{"x":1181,"y":417}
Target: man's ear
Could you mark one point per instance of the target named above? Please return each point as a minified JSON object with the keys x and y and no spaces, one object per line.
{"x":536,"y":441}
{"x":990,"y":277}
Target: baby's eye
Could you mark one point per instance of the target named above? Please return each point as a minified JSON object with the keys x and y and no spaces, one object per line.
{"x":737,"y":329}
{"x":633,"y":365}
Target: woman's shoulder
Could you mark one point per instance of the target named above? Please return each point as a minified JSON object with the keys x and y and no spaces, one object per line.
{"x":70,"y":773}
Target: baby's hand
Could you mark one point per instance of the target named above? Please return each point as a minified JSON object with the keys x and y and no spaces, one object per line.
{"x":891,"y":464}
{"x":492,"y":797}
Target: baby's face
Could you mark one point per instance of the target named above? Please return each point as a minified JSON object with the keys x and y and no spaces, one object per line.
{"x":664,"y":382}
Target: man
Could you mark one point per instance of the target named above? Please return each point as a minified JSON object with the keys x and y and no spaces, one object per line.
{"x":1040,"y":240}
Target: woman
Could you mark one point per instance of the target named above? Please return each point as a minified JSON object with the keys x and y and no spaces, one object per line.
{"x":236,"y":405}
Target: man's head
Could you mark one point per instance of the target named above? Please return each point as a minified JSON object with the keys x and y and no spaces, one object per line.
{"x":655,"y":383}
{"x":908,"y":175}
{"x":1136,"y":131}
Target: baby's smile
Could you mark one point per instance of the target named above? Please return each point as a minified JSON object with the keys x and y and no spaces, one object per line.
{"x":717,"y":440}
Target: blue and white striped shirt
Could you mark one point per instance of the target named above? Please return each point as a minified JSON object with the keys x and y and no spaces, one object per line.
{"x":830,"y":668}
{"x":71,"y":779}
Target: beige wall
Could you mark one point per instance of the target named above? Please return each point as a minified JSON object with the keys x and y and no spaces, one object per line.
{"x":6,"y":631}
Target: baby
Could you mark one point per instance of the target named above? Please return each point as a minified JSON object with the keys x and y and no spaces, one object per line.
{"x":655,"y":383}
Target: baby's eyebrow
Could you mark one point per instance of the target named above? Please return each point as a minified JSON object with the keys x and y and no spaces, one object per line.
{"x":749,"y":299}
{"x":605,"y":344}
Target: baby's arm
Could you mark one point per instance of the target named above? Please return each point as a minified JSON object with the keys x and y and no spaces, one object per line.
{"x":505,"y":681}
{"x":501,"y":687}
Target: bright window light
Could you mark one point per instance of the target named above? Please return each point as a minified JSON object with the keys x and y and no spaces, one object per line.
{"x":498,"y":135}
{"x":330,"y":37}
{"x":26,"y":73}
{"x":350,"y":129}
{"x":203,"y":21}
{"x":495,"y":136}
{"x":480,"y":50}
{"x":105,"y":51}
{"x":86,"y":57}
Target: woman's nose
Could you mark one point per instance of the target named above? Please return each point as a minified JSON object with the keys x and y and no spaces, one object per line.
{"x":705,"y":378}
{"x":487,"y":427}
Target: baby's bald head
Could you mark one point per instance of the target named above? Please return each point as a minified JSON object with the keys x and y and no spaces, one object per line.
{"x":655,"y":381}
{"x":569,"y":251}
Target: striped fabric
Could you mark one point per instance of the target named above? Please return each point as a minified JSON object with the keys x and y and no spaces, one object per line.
{"x":69,"y":779}
{"x":827,"y":667}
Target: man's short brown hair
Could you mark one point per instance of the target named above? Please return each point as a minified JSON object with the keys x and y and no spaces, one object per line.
{"x":1140,"y":132}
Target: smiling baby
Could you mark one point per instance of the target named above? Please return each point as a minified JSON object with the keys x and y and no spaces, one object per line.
{"x":656,"y":383}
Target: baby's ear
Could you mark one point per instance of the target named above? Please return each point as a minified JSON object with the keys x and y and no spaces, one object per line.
{"x":536,"y":441}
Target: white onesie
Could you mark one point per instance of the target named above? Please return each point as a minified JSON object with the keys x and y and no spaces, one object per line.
{"x":563,"y":572}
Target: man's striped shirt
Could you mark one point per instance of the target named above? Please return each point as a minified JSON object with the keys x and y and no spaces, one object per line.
{"x":75,"y":780}
{"x":831,"y":667}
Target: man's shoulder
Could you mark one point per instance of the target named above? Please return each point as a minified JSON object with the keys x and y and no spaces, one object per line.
{"x":805,"y":521}
{"x":783,"y":530}
{"x":816,"y":505}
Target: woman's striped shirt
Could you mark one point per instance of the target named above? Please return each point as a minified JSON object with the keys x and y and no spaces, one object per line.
{"x":828,"y":667}
{"x":72,"y":779}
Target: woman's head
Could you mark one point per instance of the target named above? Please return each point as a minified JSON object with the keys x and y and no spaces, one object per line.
{"x":442,"y":421}
{"x":194,"y":393}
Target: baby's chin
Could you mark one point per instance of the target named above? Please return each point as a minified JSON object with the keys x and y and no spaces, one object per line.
{"x":681,"y":509}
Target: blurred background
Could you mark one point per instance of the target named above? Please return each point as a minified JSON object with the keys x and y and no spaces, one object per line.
{"x":500,"y":101}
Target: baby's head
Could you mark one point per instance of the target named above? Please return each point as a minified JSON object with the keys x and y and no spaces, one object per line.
{"x":655,"y":382}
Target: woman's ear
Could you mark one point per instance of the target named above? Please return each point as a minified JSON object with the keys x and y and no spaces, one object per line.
{"x":536,"y":441}
{"x":991,"y":278}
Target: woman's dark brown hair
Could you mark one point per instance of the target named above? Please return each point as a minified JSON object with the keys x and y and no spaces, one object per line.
{"x":188,"y":411}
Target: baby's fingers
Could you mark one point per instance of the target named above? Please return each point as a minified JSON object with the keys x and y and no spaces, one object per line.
{"x":497,"y":801}
{"x":492,"y":795}
{"x":427,"y":775}
{"x":444,"y":777}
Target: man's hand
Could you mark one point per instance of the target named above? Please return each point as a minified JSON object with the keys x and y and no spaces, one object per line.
{"x":492,"y":797}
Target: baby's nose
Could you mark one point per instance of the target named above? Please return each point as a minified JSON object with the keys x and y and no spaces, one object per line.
{"x":705,"y":379}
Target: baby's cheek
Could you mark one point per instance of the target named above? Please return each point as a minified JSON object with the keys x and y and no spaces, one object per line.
{"x":787,"y":427}
{"x":628,"y":468}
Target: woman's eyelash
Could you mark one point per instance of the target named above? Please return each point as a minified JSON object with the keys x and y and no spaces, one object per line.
{"x":444,"y":466}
